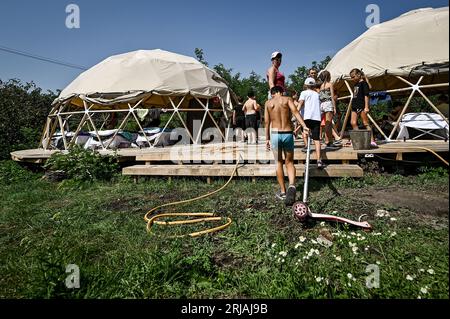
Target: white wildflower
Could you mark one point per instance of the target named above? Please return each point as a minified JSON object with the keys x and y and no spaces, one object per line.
{"x":393,"y":234}
{"x":336,"y":234}
{"x":273,"y":245}
{"x":283,"y":253}
{"x":422,"y":270}
{"x":393,"y":219}
{"x":319,"y":279}
{"x":382,"y":213}
{"x":376,"y":234}
{"x":349,"y":276}
{"x":378,"y":263}
{"x":302,"y":239}
{"x":353,"y":233}
{"x":355,"y":250}
{"x":298,"y":245}
{"x":430,"y":271}
{"x":352,"y":244}
{"x":322,"y":223}
{"x":313,"y":241}
{"x":338,"y":258}
{"x":424,"y":290}
{"x":410,"y":278}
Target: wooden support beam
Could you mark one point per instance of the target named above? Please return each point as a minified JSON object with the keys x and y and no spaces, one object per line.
{"x":349,"y":108}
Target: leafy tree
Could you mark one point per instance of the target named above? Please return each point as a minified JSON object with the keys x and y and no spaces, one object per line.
{"x":23,"y":111}
{"x":199,"y":56}
{"x":297,"y":79}
{"x":323,"y":64}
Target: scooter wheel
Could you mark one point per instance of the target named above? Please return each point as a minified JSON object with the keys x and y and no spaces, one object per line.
{"x":300,"y":211}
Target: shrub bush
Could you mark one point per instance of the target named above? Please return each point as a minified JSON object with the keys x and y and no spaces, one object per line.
{"x":23,"y":111}
{"x":83,"y":165}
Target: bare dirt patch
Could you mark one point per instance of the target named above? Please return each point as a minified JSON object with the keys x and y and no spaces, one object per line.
{"x":421,"y":202}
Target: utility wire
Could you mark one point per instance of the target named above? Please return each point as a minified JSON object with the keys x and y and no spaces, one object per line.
{"x":41,"y":58}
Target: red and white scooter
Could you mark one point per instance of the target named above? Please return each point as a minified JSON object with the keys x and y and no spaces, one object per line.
{"x":302,"y":212}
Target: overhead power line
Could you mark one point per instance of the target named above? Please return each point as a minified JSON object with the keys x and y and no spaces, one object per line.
{"x":41,"y":58}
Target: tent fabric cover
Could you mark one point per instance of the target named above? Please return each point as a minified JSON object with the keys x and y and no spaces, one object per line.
{"x":145,"y":74}
{"x":424,"y":121}
{"x":415,"y":43}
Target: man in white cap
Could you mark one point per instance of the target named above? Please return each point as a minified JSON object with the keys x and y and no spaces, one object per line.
{"x":274,"y":76}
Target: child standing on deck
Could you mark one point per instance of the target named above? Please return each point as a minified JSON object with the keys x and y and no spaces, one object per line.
{"x":312,"y":115}
{"x":250,"y":108}
{"x":360,"y":102}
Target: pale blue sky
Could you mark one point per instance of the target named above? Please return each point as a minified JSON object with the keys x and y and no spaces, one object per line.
{"x":240,"y":34}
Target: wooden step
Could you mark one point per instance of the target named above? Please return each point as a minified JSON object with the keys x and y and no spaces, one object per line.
{"x":228,"y":154}
{"x":252,"y":170}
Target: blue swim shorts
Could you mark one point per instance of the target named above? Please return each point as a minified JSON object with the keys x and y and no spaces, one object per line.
{"x":282,"y":141}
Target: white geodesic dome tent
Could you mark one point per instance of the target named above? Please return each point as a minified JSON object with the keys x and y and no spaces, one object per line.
{"x":407,"y":55}
{"x":139,"y":80}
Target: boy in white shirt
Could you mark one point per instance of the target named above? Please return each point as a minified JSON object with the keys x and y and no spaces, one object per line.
{"x":309,"y":99}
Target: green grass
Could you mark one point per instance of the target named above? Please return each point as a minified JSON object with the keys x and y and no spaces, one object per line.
{"x":99,"y":226}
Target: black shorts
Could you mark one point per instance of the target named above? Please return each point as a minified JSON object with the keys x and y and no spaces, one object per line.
{"x":314,"y":129}
{"x":240,"y":122}
{"x":251,"y":121}
{"x":357,"y":108}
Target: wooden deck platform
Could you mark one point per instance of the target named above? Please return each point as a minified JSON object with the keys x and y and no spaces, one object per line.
{"x":219,"y":159}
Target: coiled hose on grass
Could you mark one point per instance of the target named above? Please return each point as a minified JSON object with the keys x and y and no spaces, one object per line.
{"x":207,"y":216}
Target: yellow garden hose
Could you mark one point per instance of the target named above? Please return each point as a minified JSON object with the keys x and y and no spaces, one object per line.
{"x":428,"y":150}
{"x":207,"y":217}
{"x":433,"y":152}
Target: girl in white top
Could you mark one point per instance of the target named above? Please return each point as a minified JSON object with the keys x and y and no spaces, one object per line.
{"x":327,"y":106}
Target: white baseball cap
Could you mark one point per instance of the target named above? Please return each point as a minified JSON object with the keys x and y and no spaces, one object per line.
{"x":276,"y":54}
{"x":310,"y":81}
